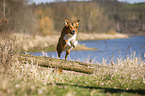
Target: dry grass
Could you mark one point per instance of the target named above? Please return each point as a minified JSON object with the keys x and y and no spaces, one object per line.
{"x":16,"y":78}
{"x":29,"y":42}
{"x":24,"y":79}
{"x":8,"y":52}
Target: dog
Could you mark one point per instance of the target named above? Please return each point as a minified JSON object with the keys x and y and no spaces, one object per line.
{"x":67,"y":40}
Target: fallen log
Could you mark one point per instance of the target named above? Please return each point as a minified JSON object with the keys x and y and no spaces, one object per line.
{"x":57,"y":63}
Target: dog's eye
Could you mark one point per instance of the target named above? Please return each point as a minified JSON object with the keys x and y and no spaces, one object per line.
{"x":70,"y":27}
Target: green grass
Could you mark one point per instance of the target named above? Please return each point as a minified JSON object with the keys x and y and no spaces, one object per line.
{"x":39,"y":49}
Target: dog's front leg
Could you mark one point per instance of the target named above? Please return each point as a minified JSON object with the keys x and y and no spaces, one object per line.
{"x":68,"y":43}
{"x":74,"y":44}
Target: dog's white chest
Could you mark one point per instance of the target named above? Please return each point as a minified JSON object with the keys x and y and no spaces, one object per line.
{"x":72,"y":42}
{"x":70,"y":37}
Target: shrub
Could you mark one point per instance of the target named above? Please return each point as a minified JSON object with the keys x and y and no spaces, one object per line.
{"x":8,"y":52}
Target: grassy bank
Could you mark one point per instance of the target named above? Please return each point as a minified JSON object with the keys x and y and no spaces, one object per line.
{"x":32,"y":75}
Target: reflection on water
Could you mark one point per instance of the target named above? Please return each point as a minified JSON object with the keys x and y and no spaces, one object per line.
{"x":107,"y":49}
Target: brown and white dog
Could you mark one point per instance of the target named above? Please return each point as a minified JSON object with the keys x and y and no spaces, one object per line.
{"x":67,"y":40}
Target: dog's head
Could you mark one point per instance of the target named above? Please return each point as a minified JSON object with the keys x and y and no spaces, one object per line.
{"x":72,"y":27}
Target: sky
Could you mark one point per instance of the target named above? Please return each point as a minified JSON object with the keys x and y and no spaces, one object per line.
{"x":44,"y":1}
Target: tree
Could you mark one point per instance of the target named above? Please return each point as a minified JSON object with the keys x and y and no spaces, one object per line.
{"x":3,"y":20}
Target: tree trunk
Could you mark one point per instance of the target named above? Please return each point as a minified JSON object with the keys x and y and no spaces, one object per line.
{"x":4,"y":8}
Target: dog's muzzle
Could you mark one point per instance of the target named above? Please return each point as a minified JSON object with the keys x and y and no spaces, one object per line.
{"x":73,"y":32}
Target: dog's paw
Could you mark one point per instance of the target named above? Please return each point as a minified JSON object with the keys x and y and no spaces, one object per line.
{"x":75,"y":44}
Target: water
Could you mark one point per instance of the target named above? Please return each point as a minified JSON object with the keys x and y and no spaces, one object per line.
{"x":107,"y":49}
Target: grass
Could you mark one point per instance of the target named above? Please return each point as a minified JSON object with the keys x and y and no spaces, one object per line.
{"x":22,"y":75}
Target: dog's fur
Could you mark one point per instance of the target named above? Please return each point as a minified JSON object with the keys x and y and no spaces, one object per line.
{"x":67,"y":40}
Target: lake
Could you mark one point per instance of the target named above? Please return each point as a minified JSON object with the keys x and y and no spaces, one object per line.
{"x":106,"y":50}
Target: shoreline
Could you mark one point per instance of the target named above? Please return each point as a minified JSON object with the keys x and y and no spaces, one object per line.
{"x":37,"y":43}
{"x":139,"y":34}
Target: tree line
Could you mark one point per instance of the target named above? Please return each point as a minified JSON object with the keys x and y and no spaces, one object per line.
{"x":101,"y":16}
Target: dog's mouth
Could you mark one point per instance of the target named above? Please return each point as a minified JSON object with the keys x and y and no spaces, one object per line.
{"x":72,"y":33}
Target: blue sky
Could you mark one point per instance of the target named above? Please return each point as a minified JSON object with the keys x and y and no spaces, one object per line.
{"x":130,"y":1}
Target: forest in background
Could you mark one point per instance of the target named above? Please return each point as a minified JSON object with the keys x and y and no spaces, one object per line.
{"x":95,"y":16}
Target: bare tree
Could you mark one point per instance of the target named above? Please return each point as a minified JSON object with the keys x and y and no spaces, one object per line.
{"x":4,"y":20}
{"x":4,"y":9}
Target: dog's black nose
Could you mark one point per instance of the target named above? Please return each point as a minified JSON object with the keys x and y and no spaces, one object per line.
{"x":73,"y":31}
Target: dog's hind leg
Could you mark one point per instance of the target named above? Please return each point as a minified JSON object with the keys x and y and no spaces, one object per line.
{"x":67,"y":53}
{"x":59,"y":50}
{"x":59,"y":53}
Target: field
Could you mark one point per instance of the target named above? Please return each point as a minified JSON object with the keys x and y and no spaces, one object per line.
{"x":24,"y":75}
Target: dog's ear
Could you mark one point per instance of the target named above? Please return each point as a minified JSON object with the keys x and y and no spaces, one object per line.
{"x":77,"y":22}
{"x":66,"y":22}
